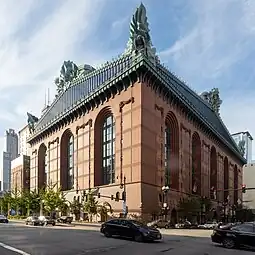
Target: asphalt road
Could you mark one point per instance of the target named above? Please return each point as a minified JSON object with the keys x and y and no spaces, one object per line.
{"x":83,"y":241}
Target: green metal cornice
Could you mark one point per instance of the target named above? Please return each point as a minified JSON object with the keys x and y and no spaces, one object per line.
{"x":164,"y":79}
{"x":136,"y":63}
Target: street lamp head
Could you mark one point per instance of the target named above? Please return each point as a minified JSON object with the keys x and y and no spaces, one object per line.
{"x":165,"y":188}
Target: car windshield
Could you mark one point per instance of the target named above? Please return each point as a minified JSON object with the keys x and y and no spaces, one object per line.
{"x":34,"y":218}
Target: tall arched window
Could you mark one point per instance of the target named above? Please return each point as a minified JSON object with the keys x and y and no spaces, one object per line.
{"x":213,"y":173}
{"x":70,"y":164}
{"x":235,"y":185}
{"x":67,"y":161}
{"x":172,"y":151}
{"x":167,"y":154}
{"x":42,"y":166}
{"x":108,"y":150}
{"x":196,"y":164}
{"x":226,"y":179}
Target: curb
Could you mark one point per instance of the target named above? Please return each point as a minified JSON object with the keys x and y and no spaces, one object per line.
{"x":95,"y":225}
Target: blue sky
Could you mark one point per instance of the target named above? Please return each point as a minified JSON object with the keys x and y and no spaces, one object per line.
{"x":208,"y":43}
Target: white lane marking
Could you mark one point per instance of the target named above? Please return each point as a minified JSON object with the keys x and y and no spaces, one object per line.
{"x":13,"y":249}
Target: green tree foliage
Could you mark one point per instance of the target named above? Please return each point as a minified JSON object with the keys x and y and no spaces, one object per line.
{"x":90,"y":205}
{"x":75,"y":208}
{"x":31,"y":201}
{"x":6,"y":202}
{"x":53,"y":198}
{"x":193,"y":206}
{"x":104,"y":209}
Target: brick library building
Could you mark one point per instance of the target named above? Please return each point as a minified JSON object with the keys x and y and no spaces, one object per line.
{"x":132,"y":126}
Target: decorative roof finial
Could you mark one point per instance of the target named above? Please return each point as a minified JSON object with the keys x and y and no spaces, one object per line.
{"x":31,"y":120}
{"x":213,"y":98}
{"x":139,"y":39}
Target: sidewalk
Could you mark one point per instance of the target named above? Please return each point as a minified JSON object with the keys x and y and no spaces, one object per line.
{"x":74,"y":223}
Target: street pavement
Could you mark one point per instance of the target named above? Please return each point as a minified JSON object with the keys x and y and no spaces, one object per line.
{"x":83,"y":240}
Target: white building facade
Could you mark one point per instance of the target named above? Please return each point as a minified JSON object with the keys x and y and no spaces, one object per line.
{"x":249,"y":181}
{"x":24,"y":147}
{"x":247,"y":138}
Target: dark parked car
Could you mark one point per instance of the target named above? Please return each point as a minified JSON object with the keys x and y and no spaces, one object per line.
{"x":186,"y":224}
{"x":3,"y":219}
{"x":235,"y":236}
{"x":130,"y":229}
{"x":46,"y":220}
{"x":65,"y":219}
{"x":32,"y":220}
{"x":159,"y":224}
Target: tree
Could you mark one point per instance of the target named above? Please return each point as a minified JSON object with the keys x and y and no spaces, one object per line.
{"x":75,"y":208}
{"x":6,"y":202}
{"x":52,"y":199}
{"x":104,"y":209}
{"x":90,"y":205}
{"x":31,"y":200}
{"x":189,"y":207}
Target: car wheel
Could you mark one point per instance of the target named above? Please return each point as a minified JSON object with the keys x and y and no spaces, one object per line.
{"x":138,"y":238}
{"x":107,"y":234}
{"x":166,"y":226}
{"x":228,"y":243}
{"x":26,"y":223}
{"x":53,"y":224}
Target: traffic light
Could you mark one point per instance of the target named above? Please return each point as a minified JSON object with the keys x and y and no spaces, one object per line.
{"x":98,"y":195}
{"x":112,"y":197}
{"x":244,"y":189}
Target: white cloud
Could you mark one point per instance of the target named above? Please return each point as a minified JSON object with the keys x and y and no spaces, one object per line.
{"x":221,"y":35}
{"x":31,"y":58}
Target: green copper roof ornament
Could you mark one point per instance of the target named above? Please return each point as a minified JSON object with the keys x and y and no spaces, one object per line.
{"x":213,"y":98}
{"x":68,"y":73}
{"x":139,"y":39}
{"x":31,"y":120}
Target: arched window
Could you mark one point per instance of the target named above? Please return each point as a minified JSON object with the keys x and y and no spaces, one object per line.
{"x":235,"y":185}
{"x":108,"y":150}
{"x":226,"y":179}
{"x":70,"y":164}
{"x":213,"y":173}
{"x":42,"y":166}
{"x":196,"y":164}
{"x":167,"y":155}
{"x":67,"y":161}
{"x":171,"y":151}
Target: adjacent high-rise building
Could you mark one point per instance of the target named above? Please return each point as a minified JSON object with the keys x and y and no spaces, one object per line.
{"x":20,"y":173}
{"x":8,"y":155}
{"x":244,"y":139}
{"x":24,"y":147}
{"x":12,"y":141}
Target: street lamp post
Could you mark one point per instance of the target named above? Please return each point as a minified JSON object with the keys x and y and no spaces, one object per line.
{"x":41,"y":207}
{"x":203,"y":209}
{"x":165,"y":190}
{"x":124,"y":196}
